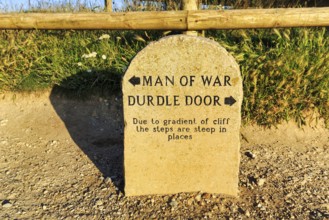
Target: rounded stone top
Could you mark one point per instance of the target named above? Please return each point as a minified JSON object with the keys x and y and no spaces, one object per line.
{"x":183,"y":50}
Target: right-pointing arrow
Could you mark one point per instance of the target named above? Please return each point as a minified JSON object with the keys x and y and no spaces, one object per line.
{"x":229,"y":101}
{"x":135,"y":80}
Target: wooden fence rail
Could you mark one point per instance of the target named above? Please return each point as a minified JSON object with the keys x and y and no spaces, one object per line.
{"x":170,"y":20}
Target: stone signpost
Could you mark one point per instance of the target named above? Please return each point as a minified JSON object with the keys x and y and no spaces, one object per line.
{"x":182,"y":110}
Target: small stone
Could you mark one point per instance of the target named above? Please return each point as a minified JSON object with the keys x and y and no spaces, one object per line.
{"x":99,"y":203}
{"x":250,"y":154}
{"x":190,"y":201}
{"x":108,"y":180}
{"x":6,"y":204}
{"x":247,"y":213}
{"x":260,"y":182}
{"x":44,"y":207}
{"x":206,"y":196}
{"x":198,"y":198}
{"x":53,"y":143}
{"x":173,"y":203}
{"x":241,"y":210}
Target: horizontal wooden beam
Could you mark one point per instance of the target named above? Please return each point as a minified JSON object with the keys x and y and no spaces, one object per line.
{"x":170,"y":20}
{"x":258,"y":18}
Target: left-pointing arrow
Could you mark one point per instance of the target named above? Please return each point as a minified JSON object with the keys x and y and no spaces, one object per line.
{"x":135,"y":80}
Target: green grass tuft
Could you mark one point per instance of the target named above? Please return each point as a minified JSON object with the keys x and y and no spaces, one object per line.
{"x":285,"y":71}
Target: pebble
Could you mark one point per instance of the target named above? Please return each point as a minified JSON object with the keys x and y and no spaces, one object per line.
{"x":6,"y":204}
{"x":107,"y":180}
{"x":173,"y":203}
{"x":99,"y":203}
{"x":53,"y":143}
{"x":190,"y":201}
{"x":215,"y":207}
{"x":206,"y":196}
{"x":250,"y":154}
{"x":260,"y":182}
{"x":198,"y":198}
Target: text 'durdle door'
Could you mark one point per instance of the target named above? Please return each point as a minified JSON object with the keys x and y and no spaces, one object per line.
{"x":182,"y":110}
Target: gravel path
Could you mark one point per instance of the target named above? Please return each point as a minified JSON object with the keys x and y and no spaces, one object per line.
{"x":52,"y":167}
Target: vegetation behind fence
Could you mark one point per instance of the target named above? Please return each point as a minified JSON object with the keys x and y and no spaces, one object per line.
{"x":285,"y":71}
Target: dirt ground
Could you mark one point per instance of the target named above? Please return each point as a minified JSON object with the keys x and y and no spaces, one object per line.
{"x":62,"y":158}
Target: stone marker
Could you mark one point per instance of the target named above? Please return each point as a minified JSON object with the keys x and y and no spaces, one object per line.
{"x":182,"y":101}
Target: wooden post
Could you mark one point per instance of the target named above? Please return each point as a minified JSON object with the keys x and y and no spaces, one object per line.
{"x":108,"y":5}
{"x":188,"y":5}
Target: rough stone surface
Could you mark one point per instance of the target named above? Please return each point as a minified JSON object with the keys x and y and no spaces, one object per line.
{"x":182,"y":101}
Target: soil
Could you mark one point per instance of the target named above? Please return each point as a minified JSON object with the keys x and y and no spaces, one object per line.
{"x":61,"y":158}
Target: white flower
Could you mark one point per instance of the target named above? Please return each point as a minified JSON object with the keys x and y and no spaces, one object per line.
{"x":79,"y":64}
{"x":93,"y":54}
{"x":104,"y":57}
{"x":104,"y":36}
{"x":89,"y":71}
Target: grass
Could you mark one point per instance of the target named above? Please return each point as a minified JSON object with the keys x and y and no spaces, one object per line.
{"x":285,"y":71}
{"x":32,"y":60}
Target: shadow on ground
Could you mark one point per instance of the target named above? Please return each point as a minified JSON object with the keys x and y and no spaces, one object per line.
{"x":94,"y":119}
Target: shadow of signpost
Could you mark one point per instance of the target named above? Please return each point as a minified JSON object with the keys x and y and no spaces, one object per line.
{"x":95,"y":122}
